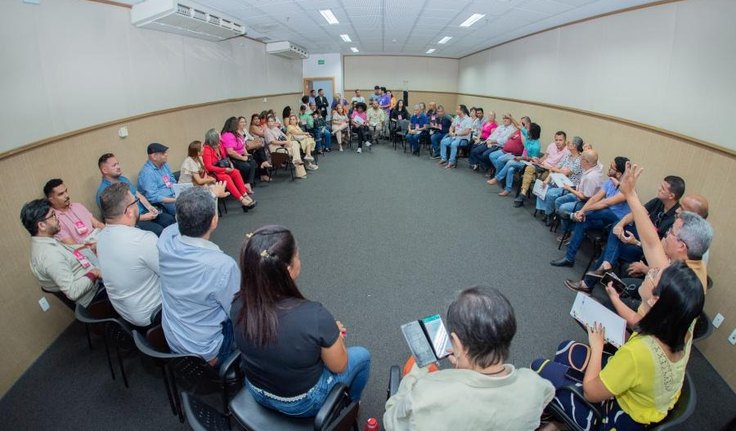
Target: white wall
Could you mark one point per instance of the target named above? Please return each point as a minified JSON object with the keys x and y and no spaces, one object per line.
{"x":332,"y":67}
{"x":70,"y":64}
{"x":393,"y":72}
{"x":669,"y":66}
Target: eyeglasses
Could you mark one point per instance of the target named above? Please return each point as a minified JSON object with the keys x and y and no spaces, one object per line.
{"x":670,"y":232}
{"x":53,"y":215}
{"x":132,"y":203}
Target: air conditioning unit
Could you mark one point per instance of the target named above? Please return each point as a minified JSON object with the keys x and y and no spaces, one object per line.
{"x":186,"y":18}
{"x":287,"y":49}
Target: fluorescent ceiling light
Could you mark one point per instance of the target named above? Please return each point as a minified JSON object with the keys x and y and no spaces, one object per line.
{"x":345,"y":38}
{"x":354,"y":49}
{"x":431,"y":50}
{"x":445,"y":39}
{"x":472,"y":20}
{"x":329,"y":16}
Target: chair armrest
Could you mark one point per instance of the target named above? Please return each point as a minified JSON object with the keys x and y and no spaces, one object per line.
{"x":226,"y":366}
{"x":394,"y":379}
{"x":577,"y":392}
{"x":334,"y":403}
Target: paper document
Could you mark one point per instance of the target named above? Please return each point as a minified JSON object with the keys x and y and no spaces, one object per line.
{"x":428,"y":339}
{"x":540,"y":189}
{"x":560,"y":179}
{"x":588,"y":311}
{"x":180,"y":187}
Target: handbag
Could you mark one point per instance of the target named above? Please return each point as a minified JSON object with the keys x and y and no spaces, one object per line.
{"x":223,"y":163}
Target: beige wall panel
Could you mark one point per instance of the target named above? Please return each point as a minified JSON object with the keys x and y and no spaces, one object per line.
{"x":26,"y":330}
{"x":708,"y":172}
{"x":420,"y":73}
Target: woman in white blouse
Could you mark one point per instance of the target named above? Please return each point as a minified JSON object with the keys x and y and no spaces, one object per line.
{"x":339,"y":123}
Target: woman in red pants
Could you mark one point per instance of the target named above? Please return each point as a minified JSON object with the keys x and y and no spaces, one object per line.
{"x":219,"y":166}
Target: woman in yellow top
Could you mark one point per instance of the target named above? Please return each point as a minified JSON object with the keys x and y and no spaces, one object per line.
{"x":641,"y":382}
{"x":306,"y":141}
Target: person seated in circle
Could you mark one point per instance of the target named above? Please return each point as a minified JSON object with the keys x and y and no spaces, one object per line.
{"x":640,"y":383}
{"x":482,"y":392}
{"x":293,"y":349}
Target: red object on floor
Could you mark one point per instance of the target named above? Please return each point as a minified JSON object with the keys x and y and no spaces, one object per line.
{"x":410,"y":363}
{"x":372,"y":425}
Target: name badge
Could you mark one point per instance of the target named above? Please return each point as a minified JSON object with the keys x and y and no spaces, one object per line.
{"x":81,"y":259}
{"x":80,"y":227}
{"x":167,"y":181}
{"x":400,"y":117}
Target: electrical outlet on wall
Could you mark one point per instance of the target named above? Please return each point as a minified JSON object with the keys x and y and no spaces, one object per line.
{"x":718,"y":320}
{"x":732,"y":337}
{"x":43,"y":303}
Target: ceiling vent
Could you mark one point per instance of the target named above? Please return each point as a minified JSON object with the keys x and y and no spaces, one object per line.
{"x":185,"y":18}
{"x":287,"y":49}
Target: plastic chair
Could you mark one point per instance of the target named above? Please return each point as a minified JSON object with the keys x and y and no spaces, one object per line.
{"x":682,"y":410}
{"x":400,"y":134}
{"x":190,"y":370}
{"x":114,"y":328}
{"x":394,"y":379}
{"x":201,"y":417}
{"x":338,"y":413}
{"x":282,"y":159}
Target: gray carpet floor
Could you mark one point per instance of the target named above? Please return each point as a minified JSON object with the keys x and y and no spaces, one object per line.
{"x":384,"y":238}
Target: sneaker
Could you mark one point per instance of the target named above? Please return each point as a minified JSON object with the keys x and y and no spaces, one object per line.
{"x":436,"y":157}
{"x":367,"y":143}
{"x":312,"y":167}
{"x":360,"y":150}
{"x":341,"y":148}
{"x":308,"y":157}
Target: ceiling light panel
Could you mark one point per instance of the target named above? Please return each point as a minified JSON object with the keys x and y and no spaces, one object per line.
{"x":444,"y":40}
{"x":329,"y":16}
{"x":472,"y":19}
{"x":345,"y":38}
{"x":431,"y":50}
{"x":354,"y":49}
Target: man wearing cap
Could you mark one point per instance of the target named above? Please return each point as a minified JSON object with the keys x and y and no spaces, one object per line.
{"x":156,"y":181}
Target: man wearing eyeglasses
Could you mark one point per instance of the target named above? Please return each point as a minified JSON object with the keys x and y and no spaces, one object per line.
{"x":128,"y":257}
{"x":57,"y":266}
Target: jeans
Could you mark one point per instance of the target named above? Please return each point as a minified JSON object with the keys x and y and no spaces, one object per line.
{"x":508,"y":171}
{"x":453,"y":142}
{"x":228,"y":345}
{"x":499,"y":159}
{"x":413,"y":139}
{"x":593,"y":219}
{"x":548,"y":204}
{"x":566,"y":205}
{"x":324,"y":138}
{"x":436,"y":139}
{"x":158,"y":224}
{"x":355,"y":377}
{"x":476,"y":154}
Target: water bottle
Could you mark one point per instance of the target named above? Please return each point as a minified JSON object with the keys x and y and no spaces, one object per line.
{"x":372,"y":425}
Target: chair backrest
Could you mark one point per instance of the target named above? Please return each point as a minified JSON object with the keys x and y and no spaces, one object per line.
{"x":342,"y":415}
{"x":683,"y":409}
{"x":404,"y":125}
{"x":63,"y":298}
{"x":279,"y":158}
{"x":202,"y":417}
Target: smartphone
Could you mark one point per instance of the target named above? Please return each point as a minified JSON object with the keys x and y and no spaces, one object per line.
{"x":610,"y":277}
{"x":575,"y":375}
{"x":437,"y":335}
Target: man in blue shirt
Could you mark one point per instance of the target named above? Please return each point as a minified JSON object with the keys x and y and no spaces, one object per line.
{"x":417,"y":129}
{"x":156,"y":181}
{"x":198,"y":281}
{"x":150,"y":218}
{"x":440,"y":127}
{"x":605,"y":208}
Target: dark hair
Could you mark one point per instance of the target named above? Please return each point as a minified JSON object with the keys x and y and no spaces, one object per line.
{"x":383,"y":89}
{"x":479,"y":109}
{"x":286,"y":113}
{"x":464,"y":109}
{"x":483,"y":319}
{"x":620,"y":163}
{"x":265,"y":281}
{"x":33,"y":213}
{"x":51,"y":185}
{"x":305,"y":99}
{"x":319,"y":90}
{"x":403,"y":105}
{"x":194,"y":148}
{"x":254,"y":116}
{"x":677,"y":185}
{"x":231,"y":126}
{"x":681,"y":300}
{"x":195,"y":209}
{"x":561,"y":133}
{"x":535,"y":131}
{"x":104,"y":158}
{"x":112,"y":200}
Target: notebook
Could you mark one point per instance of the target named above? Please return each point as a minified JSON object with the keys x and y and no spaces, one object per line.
{"x":560,"y":180}
{"x":428,"y":339}
{"x":588,"y":311}
{"x":180,"y":187}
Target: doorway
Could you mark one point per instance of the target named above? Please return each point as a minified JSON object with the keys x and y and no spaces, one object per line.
{"x":325,"y":83}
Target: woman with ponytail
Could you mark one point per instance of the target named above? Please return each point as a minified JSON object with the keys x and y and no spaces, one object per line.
{"x":293,"y":349}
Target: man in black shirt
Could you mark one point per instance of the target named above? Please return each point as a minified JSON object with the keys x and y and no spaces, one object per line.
{"x":623,"y":241}
{"x":322,"y":103}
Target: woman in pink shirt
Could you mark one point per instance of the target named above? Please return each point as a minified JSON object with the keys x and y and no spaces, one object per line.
{"x":234,"y":145}
{"x":359,"y":122}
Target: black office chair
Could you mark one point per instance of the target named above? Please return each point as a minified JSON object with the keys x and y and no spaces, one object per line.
{"x":201,"y":417}
{"x":338,"y":413}
{"x":114,"y":329}
{"x":682,"y":410}
{"x":191,"y":371}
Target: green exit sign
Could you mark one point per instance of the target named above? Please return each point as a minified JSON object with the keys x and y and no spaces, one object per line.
{"x":320,"y":61}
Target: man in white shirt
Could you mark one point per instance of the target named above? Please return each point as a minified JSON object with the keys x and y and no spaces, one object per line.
{"x":357,"y":98}
{"x":128,"y":257}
